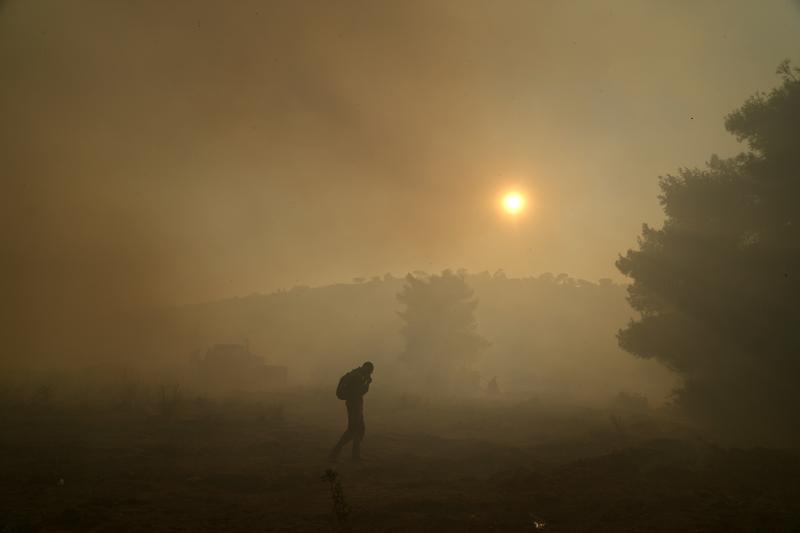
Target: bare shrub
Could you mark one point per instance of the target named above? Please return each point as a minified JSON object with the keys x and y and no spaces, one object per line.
{"x":341,"y":511}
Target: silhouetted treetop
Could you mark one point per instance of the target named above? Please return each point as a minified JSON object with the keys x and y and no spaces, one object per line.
{"x":768,"y":122}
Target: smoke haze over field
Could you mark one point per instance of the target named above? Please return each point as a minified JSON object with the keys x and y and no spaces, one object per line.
{"x":547,"y":337}
{"x":167,"y":152}
{"x":536,"y":263}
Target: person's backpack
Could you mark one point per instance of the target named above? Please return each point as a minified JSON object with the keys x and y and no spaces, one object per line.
{"x":344,"y":389}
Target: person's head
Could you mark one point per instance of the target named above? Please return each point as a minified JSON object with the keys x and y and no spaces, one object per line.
{"x":367,"y":368}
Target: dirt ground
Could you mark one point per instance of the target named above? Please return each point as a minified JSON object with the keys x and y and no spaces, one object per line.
{"x":256,"y":464}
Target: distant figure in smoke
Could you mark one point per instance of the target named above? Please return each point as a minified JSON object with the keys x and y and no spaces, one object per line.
{"x":352,"y":388}
{"x":492,"y":387}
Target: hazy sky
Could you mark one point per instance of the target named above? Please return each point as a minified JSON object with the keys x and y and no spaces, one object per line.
{"x":177,"y":151}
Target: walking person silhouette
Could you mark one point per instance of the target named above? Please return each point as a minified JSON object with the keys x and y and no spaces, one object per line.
{"x":352,"y":388}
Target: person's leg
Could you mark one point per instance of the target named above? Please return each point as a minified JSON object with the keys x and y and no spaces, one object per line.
{"x":358,"y":435}
{"x":347,"y":436}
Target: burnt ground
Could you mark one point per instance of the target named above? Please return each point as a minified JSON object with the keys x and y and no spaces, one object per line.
{"x":256,"y":465}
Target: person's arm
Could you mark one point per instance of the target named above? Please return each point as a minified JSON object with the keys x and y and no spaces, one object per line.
{"x":365,"y":385}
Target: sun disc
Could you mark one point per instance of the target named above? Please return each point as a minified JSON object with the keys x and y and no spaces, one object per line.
{"x":513,"y":203}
